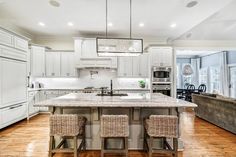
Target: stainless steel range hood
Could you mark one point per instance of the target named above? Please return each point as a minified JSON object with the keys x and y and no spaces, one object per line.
{"x":119,"y":47}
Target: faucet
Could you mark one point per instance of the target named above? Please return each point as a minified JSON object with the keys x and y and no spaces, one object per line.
{"x":111,"y":92}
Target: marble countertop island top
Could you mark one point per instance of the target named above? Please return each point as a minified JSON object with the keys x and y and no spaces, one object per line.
{"x":132,"y":100}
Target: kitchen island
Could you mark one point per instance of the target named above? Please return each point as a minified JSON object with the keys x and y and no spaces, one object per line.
{"x":136,"y":106}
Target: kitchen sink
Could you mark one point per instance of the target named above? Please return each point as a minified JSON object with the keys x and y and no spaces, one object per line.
{"x":115,"y":94}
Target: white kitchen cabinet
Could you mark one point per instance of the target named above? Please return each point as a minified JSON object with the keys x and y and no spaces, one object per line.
{"x":37,"y":61}
{"x":13,"y":40}
{"x":161,"y":56}
{"x":12,"y":114}
{"x":13,"y":82}
{"x":32,"y":98}
{"x":20,"y":43}
{"x":68,"y":64}
{"x":125,"y":66}
{"x":53,"y":64}
{"x":88,"y":48}
{"x":85,"y":48}
{"x":133,"y":66}
{"x":6,"y":38}
{"x":144,"y":65}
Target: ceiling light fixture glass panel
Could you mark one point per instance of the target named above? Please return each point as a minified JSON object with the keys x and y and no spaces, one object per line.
{"x":119,"y":46}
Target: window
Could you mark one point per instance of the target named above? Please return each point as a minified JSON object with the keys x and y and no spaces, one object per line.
{"x":203,"y":76}
{"x":215,"y":78}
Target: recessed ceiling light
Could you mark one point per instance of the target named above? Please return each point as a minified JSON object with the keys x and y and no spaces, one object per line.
{"x":41,"y":24}
{"x":110,"y":24}
{"x":54,"y":3}
{"x":173,"y":25}
{"x":141,"y":24}
{"x":191,"y":4}
{"x":70,"y":24}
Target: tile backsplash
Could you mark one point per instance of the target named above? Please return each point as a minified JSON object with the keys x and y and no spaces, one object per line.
{"x":91,"y":78}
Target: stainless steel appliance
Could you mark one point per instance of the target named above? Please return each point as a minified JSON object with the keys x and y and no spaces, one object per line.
{"x":161,"y":74}
{"x":162,"y":88}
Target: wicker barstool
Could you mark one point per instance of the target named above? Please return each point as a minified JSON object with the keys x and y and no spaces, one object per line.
{"x":161,"y":126}
{"x":67,"y":126}
{"x":114,"y":126}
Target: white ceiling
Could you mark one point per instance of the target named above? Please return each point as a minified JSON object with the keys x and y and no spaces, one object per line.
{"x":88,"y":16}
{"x":220,"y":26}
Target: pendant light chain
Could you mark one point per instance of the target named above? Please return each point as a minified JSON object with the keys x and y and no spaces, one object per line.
{"x":106,"y":18}
{"x":130,"y":19}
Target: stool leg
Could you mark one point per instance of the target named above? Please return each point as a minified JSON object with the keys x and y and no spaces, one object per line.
{"x":150,"y":147}
{"x":84,"y":140}
{"x":102,"y":147}
{"x":50,"y":146}
{"x":75,"y":146}
{"x":126,"y":147}
{"x":144,"y":140}
{"x":175,"y":145}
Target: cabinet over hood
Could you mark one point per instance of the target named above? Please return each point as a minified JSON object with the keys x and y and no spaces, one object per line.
{"x":85,"y":49}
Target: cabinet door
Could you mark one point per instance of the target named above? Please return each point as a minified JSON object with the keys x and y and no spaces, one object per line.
{"x":68,"y":64}
{"x":161,"y":56}
{"x":143,"y":65}
{"x":136,"y":66}
{"x":53,"y":64}
{"x":38,"y":61}
{"x":88,"y":48}
{"x":12,"y":114}
{"x":14,"y":82}
{"x":31,"y":105}
{"x":21,"y":44}
{"x":125,"y":67}
{"x":6,"y":38}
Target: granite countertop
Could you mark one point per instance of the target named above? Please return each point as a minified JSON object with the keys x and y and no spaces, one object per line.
{"x":82,"y":89}
{"x":132,"y":100}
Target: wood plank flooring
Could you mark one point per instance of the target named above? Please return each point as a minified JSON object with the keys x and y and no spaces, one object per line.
{"x":201,"y":139}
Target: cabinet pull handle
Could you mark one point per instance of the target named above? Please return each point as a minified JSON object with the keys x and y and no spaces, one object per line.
{"x":15,"y":107}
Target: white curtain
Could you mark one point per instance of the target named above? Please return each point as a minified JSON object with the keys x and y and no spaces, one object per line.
{"x":224,"y":74}
{"x":195,"y":63}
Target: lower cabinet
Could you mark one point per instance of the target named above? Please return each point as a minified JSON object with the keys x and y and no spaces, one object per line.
{"x":12,"y":114}
{"x":32,"y":98}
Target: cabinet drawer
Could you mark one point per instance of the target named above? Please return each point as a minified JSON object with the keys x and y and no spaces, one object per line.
{"x":21,"y":43}
{"x":65,"y":92}
{"x":6,"y":38}
{"x":12,"y":114}
{"x":13,"y":53}
{"x":51,"y":92}
{"x":31,"y":94}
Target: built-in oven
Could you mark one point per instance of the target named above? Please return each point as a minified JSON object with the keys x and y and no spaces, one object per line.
{"x":161,"y":74}
{"x":162,"y":88}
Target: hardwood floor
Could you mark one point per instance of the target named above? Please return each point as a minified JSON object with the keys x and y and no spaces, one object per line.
{"x":201,"y":139}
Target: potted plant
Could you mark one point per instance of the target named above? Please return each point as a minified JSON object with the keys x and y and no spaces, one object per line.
{"x":142,"y":83}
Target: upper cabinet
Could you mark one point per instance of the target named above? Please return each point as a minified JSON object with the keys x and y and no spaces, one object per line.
{"x":53,"y":64}
{"x":68,"y":64}
{"x":88,"y":48}
{"x":125,"y":67}
{"x":85,"y":49}
{"x":133,"y":66}
{"x":13,"y":40}
{"x":161,"y":56}
{"x":6,"y":38}
{"x":37,"y":61}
